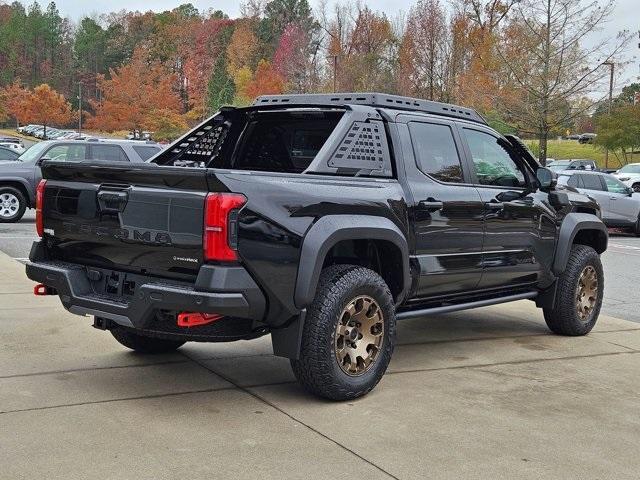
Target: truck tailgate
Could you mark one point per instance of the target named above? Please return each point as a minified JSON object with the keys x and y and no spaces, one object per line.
{"x":140,"y":218}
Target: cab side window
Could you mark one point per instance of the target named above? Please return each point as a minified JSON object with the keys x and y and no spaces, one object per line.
{"x":435,"y":151}
{"x":493,"y":163}
{"x":109,"y":153}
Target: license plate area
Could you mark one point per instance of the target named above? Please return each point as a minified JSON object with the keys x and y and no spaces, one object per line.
{"x":112,"y":283}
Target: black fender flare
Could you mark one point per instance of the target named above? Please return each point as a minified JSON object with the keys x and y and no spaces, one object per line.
{"x":331,"y":229}
{"x":572,"y":224}
{"x":24,"y":183}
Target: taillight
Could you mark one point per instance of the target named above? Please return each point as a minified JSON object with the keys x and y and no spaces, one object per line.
{"x":221,"y":226}
{"x":39,"y":203}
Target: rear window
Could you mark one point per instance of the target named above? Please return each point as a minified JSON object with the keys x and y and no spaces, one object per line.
{"x":282,"y":142}
{"x":591,"y":182}
{"x":146,"y":153}
{"x":271,"y":141}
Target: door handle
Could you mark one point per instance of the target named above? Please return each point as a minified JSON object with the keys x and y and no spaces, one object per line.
{"x":494,"y":205}
{"x":613,"y":198}
{"x":431,"y":205}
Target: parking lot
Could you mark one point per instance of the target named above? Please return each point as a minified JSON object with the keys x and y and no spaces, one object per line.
{"x":476,"y":394}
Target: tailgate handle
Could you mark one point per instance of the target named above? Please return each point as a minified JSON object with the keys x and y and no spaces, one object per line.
{"x":112,"y":201}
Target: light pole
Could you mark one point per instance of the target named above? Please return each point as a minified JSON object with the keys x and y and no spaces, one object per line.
{"x":612,"y":66}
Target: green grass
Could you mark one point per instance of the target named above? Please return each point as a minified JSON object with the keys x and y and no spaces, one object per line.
{"x":566,"y":149}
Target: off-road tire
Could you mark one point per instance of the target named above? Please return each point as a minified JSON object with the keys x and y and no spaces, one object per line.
{"x":636,"y":187}
{"x":22,"y":207}
{"x":143,"y":344}
{"x":318,"y":369}
{"x":564,"y":319}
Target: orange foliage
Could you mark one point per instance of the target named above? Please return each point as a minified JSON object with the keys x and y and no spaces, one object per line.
{"x":242,"y":47}
{"x":14,"y":99}
{"x":45,"y":106}
{"x":265,"y":81}
{"x":132,"y":94}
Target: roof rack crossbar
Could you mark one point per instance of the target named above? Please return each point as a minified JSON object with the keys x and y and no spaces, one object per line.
{"x":380,"y":100}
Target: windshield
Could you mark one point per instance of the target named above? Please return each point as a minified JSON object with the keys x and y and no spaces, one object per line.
{"x":630,"y":169}
{"x":33,"y":152}
{"x":558,"y":166}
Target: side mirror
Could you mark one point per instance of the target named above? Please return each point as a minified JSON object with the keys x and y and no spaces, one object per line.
{"x":547,"y":179}
{"x":508,"y":196}
{"x":40,"y":161}
{"x":630,"y":191}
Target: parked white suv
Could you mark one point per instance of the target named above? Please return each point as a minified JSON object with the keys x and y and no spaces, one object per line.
{"x":630,"y":176}
{"x":619,"y":204}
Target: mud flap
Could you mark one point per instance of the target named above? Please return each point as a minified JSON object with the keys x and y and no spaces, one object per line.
{"x":547,"y":298}
{"x":286,"y":341}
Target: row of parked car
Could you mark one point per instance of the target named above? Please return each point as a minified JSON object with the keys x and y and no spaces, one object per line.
{"x":48,"y":133}
{"x":629,"y":174}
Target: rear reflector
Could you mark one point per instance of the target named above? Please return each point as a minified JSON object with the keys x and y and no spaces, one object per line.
{"x":39,"y":203}
{"x":221,"y":226}
{"x":191,"y":319}
{"x":41,"y":290}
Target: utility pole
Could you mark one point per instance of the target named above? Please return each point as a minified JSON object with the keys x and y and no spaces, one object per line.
{"x":335,"y":72}
{"x":80,"y":108}
{"x":612,"y":66}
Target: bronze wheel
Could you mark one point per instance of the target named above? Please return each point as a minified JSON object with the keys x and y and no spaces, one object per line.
{"x":586,"y":293}
{"x":359,"y":335}
{"x":348,"y":335}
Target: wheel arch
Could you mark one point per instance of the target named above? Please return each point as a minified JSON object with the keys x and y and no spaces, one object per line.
{"x":579,"y":228}
{"x":334,"y":231}
{"x":20,"y":184}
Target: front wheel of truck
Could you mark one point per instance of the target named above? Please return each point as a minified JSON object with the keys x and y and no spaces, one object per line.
{"x":349,"y":334}
{"x":143,"y":344}
{"x":579,"y":294}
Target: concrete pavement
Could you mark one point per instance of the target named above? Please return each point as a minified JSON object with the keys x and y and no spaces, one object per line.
{"x":480,"y":394}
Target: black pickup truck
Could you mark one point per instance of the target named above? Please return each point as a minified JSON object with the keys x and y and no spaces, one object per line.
{"x":321,"y":220}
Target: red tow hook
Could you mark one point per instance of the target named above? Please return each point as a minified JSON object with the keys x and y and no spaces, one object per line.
{"x":191,"y":319}
{"x":41,"y":290}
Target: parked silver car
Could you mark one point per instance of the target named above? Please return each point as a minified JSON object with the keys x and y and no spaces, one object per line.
{"x":620,"y":204}
{"x":19,"y":178}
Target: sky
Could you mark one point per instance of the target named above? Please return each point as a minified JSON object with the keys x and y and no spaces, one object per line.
{"x":625,"y":17}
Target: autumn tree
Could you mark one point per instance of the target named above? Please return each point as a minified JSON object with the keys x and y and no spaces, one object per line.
{"x":203,"y":63}
{"x":294,"y":59}
{"x":362,"y":47}
{"x":266,"y":81}
{"x":15,"y":96}
{"x":544,"y":54}
{"x":242,"y":47}
{"x":133,"y":93}
{"x":424,"y":52}
{"x":44,"y":106}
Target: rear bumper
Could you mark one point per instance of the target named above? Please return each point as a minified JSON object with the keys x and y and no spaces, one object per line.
{"x":229,"y":291}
